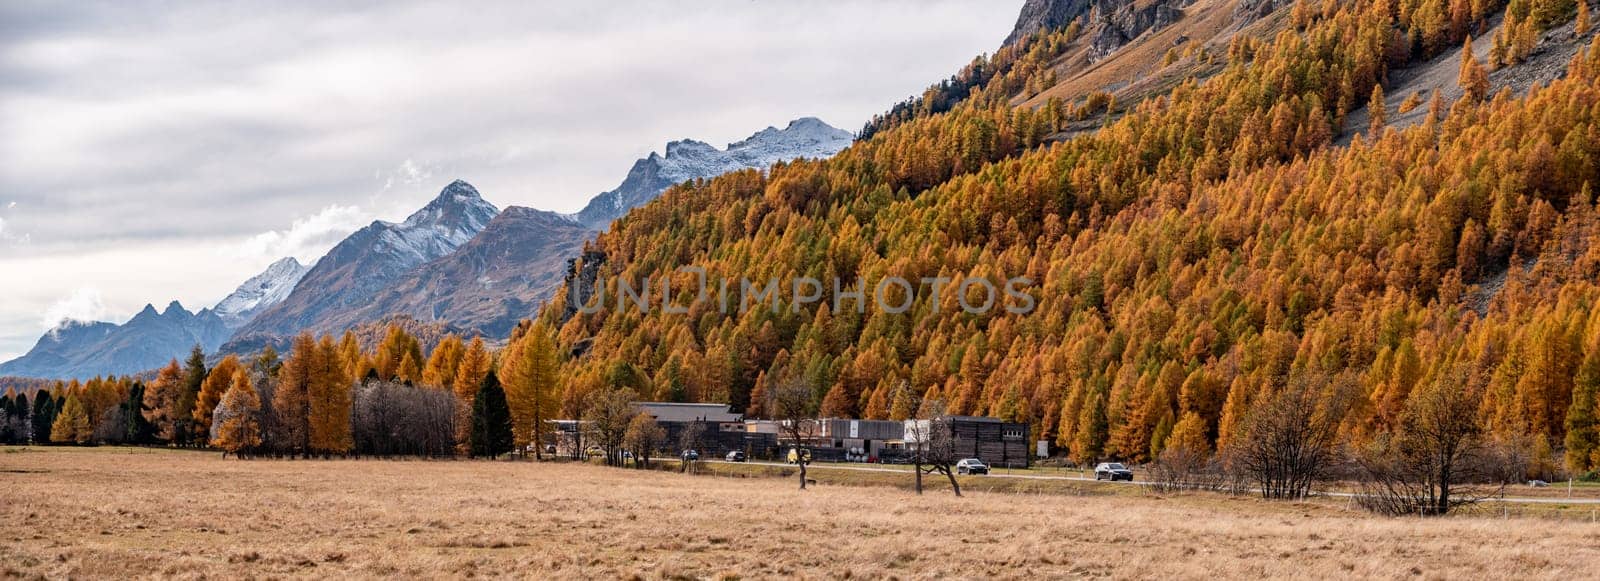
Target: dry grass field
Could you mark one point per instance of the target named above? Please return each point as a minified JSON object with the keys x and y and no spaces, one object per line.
{"x":117,"y":512}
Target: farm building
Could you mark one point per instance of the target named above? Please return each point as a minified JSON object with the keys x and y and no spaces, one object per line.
{"x":995,"y":442}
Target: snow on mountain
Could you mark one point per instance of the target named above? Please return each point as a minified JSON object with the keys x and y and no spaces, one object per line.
{"x":148,"y":340}
{"x":261,"y":291}
{"x":687,"y":159}
{"x":368,"y":261}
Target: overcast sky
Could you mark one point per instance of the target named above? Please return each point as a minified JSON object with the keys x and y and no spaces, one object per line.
{"x":156,"y":151}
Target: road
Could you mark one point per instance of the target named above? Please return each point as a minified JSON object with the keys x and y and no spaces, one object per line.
{"x":831,"y":466}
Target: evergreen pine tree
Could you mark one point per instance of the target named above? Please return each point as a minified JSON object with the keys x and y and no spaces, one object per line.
{"x":194,"y":376}
{"x":44,"y":416}
{"x":1583,"y":429}
{"x":1092,"y":428}
{"x":137,"y":429}
{"x":491,"y":420}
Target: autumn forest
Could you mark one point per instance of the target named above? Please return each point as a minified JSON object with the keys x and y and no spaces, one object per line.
{"x":1195,"y":255}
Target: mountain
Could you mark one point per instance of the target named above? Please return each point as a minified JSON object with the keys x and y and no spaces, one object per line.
{"x":806,"y":137}
{"x":260,"y":292}
{"x":1211,"y":249}
{"x":367,"y":261}
{"x":148,"y":340}
{"x":488,"y":284}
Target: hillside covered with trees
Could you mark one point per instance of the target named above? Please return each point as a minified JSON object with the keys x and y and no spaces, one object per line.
{"x":1192,"y":258}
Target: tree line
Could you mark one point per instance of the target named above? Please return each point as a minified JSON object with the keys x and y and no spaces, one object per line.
{"x":326,"y":398}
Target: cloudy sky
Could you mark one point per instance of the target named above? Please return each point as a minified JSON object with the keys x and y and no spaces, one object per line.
{"x":156,"y":151}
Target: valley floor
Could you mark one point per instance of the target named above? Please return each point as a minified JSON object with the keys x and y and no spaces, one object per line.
{"x":123,"y":512}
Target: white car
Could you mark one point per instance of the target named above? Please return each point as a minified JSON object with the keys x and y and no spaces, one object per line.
{"x":971,"y":466}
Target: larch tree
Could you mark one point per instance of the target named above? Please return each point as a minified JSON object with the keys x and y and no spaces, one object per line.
{"x":491,"y":420}
{"x":238,"y":417}
{"x":470,"y":374}
{"x":440,"y":373}
{"x":1377,"y":112}
{"x":529,"y":370}
{"x":161,"y":398}
{"x":1189,"y":435}
{"x":1580,"y":26}
{"x":291,"y":401}
{"x":329,"y":395}
{"x":355,"y":366}
{"x":392,"y":351}
{"x":217,"y":382}
{"x":409,"y":372}
{"x":72,"y":424}
{"x":1474,"y":80}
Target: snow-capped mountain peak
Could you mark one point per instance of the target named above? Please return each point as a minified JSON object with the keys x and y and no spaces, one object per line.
{"x":364,"y":262}
{"x":261,"y":291}
{"x":687,"y":159}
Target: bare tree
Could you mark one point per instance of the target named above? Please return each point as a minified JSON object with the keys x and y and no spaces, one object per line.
{"x":1438,"y":458}
{"x":1289,"y":439}
{"x":689,"y":439}
{"x":790,"y":404}
{"x":1178,"y":468}
{"x":933,"y":444}
{"x":608,"y":413}
{"x":643,"y":437}
{"x":388,"y":418}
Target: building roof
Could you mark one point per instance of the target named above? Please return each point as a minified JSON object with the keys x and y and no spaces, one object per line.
{"x":689,"y":412}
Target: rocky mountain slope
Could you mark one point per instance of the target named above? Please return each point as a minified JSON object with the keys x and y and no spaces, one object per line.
{"x":261,"y":292}
{"x":488,"y":284}
{"x":367,"y":261}
{"x":150,"y":339}
{"x":807,"y":137}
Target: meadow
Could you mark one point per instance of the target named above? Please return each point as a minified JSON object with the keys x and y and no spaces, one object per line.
{"x":137,"y":512}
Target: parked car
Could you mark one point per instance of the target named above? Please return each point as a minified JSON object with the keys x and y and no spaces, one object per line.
{"x":594,"y":451}
{"x":735,"y":456}
{"x":1112,"y":471}
{"x":971,"y":466}
{"x":689,"y":455}
{"x":796,"y":454}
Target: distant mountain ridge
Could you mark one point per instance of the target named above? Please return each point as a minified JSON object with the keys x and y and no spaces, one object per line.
{"x":458,"y":262}
{"x":501,"y":276}
{"x":515,"y":259}
{"x":261,"y":292}
{"x":148,"y":340}
{"x":365,"y":262}
{"x":687,"y":159}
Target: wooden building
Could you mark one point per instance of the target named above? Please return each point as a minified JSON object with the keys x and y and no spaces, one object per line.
{"x":995,"y":442}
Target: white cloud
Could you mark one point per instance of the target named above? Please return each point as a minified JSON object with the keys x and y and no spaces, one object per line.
{"x":6,"y":235}
{"x":161,"y":149}
{"x":306,"y":239}
{"x":84,"y":304}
